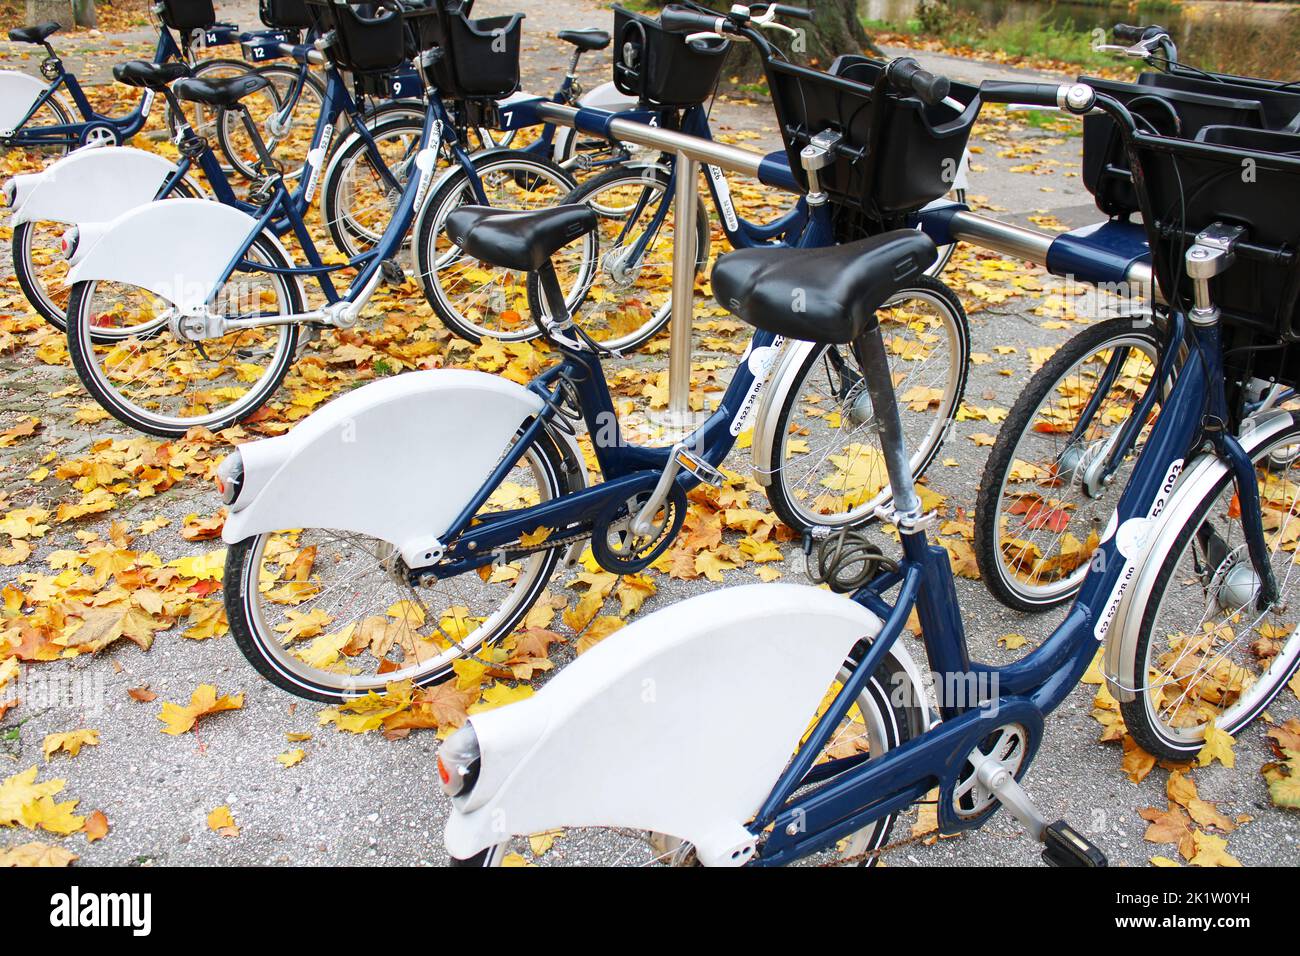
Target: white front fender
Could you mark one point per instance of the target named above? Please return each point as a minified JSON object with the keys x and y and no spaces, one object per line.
{"x":680,"y":723}
{"x":1122,"y":668}
{"x":176,"y":249}
{"x":91,"y":185}
{"x":396,"y":460}
{"x":18,"y":91}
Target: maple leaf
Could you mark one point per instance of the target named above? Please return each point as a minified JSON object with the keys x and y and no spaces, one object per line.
{"x":222,"y":822}
{"x":21,"y":789}
{"x":96,"y":827}
{"x":72,"y":742}
{"x":633,"y":592}
{"x":1211,"y":850}
{"x":1218,"y":746}
{"x":534,"y":642}
{"x":37,"y":854}
{"x":600,"y":629}
{"x":179,"y":719}
{"x":196,"y":528}
{"x":291,"y":757}
{"x":48,"y":814}
{"x":1137,"y":762}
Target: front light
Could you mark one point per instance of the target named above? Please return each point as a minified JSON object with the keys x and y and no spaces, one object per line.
{"x":230,"y":476}
{"x":458,"y":762}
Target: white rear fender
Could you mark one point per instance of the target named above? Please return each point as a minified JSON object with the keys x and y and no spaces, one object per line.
{"x":178,"y":249}
{"x":680,"y":723}
{"x":18,"y":92}
{"x":92,"y":185}
{"x":396,"y":460}
{"x":603,"y":97}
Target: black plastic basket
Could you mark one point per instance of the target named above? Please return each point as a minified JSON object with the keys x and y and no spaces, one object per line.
{"x":187,"y":15}
{"x":285,"y":14}
{"x":1239,"y":177}
{"x":660,"y":68}
{"x":378,"y":43}
{"x":480,"y":58}
{"x":1162,"y":105}
{"x":896,"y":154}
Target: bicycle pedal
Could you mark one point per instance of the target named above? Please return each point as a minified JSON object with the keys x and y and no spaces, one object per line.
{"x":700,"y":468}
{"x":393,"y":274}
{"x":1066,"y":846}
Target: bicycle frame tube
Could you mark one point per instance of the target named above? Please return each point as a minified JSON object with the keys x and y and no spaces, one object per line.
{"x":741,"y":233}
{"x":67,"y":134}
{"x":1024,"y":691}
{"x":626,"y":468}
{"x":285,"y":212}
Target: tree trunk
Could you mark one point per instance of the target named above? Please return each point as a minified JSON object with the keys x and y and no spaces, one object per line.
{"x":42,"y":11}
{"x":84,"y":11}
{"x":835,"y":29}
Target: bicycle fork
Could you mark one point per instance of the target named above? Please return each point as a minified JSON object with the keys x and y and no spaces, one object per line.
{"x":1211,"y":255}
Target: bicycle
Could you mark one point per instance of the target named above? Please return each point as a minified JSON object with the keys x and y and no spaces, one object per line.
{"x":449,"y":573}
{"x":96,"y":187}
{"x":1052,"y":476}
{"x":624,"y":288}
{"x":203,"y":331}
{"x":733,"y":694}
{"x":813,"y":441}
{"x":34,"y":116}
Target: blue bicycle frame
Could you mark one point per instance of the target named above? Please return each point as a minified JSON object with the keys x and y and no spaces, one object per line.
{"x":119,"y":128}
{"x":337,"y":101}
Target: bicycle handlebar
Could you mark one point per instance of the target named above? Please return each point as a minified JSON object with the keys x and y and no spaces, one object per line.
{"x":907,"y":76}
{"x":1077,"y":98}
{"x":1128,"y":33}
{"x":677,"y":19}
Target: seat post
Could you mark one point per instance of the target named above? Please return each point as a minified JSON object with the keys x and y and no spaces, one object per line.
{"x":269,"y":166}
{"x":869,"y":350}
{"x":553,"y":295}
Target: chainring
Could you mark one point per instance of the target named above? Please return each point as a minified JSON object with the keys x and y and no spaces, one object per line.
{"x":618,"y":550}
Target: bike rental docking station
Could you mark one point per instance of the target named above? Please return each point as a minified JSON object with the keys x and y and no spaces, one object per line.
{"x":944,"y":221}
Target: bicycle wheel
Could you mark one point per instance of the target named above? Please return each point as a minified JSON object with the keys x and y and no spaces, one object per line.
{"x":476,"y":299}
{"x":629,"y":296}
{"x":1043,"y":502}
{"x":135,"y":364}
{"x":1204,"y":652}
{"x":41,"y":268}
{"x":328,"y":615}
{"x":825,"y":462}
{"x":287,"y":142}
{"x":877,"y":724}
{"x":357,"y":199}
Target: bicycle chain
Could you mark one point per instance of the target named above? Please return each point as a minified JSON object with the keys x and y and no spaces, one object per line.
{"x":516,"y":548}
{"x":868,"y":854}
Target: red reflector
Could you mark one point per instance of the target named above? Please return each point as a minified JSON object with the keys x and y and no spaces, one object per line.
{"x":221,"y":486}
{"x":443,"y":773}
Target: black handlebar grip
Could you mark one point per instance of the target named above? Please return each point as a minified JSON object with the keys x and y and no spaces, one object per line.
{"x":1031,"y":94}
{"x":677,"y":19}
{"x":907,"y":76}
{"x":799,"y":13}
{"x":1127,"y":33}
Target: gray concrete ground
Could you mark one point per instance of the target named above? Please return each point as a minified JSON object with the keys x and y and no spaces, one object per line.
{"x":365,"y":799}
